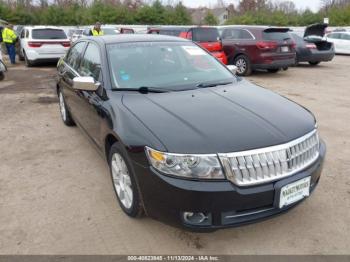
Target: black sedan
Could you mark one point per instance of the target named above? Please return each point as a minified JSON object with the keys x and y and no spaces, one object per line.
{"x":188,"y":142}
{"x":313,"y":48}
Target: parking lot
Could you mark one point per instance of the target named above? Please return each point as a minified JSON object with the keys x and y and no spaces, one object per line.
{"x":56,"y":196}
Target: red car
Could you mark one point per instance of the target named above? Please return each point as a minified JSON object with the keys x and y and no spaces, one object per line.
{"x":206,"y":37}
{"x":254,"y":47}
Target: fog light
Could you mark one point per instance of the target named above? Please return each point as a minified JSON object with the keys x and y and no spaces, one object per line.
{"x":191,"y":218}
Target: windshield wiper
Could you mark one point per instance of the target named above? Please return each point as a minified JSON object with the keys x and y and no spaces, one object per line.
{"x":204,"y":85}
{"x":144,"y":89}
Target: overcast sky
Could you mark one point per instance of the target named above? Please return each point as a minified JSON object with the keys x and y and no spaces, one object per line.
{"x":300,"y":4}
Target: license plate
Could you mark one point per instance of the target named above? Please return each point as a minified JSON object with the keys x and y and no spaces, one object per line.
{"x":294,"y":192}
{"x":284,"y":49}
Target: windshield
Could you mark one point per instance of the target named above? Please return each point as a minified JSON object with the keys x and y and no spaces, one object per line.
{"x":48,"y":34}
{"x":166,"y":65}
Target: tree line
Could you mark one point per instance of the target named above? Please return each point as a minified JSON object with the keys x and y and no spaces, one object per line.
{"x":285,"y":13}
{"x":84,"y":12}
{"x":67,"y":12}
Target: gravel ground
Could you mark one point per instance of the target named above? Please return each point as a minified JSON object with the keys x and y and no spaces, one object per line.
{"x":56,"y":196}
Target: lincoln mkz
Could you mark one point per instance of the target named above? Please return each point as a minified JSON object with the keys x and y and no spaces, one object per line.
{"x":187,"y":141}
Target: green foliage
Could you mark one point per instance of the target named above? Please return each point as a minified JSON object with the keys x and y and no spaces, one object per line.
{"x":210,"y":19}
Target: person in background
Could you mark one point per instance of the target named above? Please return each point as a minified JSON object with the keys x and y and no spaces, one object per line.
{"x":1,"y":28}
{"x":96,"y":31}
{"x":9,"y":38}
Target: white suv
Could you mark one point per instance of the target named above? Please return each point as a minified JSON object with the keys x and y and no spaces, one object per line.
{"x":42,"y":43}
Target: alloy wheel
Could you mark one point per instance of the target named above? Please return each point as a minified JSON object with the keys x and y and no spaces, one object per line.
{"x":241,"y":65}
{"x":122,"y":180}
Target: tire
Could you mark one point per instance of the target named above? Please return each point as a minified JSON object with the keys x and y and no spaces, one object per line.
{"x":2,"y":76}
{"x":65,"y":114}
{"x":244,"y":67}
{"x":28,"y":62}
{"x":314,"y":63}
{"x":275,"y":70}
{"x":20,"y":57}
{"x":123,"y":181}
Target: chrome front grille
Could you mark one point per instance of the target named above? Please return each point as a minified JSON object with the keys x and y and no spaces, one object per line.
{"x":272,"y":163}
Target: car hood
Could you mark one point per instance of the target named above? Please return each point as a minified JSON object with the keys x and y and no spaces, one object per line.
{"x":223,"y":119}
{"x":315,"y":30}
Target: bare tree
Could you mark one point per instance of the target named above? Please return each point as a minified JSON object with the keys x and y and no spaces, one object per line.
{"x":287,"y":7}
{"x":220,"y":4}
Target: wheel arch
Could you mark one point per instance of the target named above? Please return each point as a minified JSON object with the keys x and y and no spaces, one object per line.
{"x":109,"y":140}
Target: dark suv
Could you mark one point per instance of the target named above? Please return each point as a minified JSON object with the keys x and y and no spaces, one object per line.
{"x":251,"y":48}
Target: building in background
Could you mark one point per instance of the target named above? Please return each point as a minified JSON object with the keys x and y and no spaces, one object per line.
{"x":198,"y":14}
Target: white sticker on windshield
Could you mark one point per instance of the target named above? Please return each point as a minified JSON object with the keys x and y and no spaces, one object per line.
{"x":193,"y":50}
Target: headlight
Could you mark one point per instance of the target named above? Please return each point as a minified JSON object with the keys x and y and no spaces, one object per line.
{"x":186,"y":165}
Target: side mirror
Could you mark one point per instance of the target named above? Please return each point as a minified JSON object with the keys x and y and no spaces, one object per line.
{"x":232,"y":68}
{"x":86,"y":83}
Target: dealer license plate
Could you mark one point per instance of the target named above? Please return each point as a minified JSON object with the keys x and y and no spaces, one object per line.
{"x":284,"y":49}
{"x":294,"y":192}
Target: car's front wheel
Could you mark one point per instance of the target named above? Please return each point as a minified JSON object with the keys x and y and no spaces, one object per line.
{"x":65,"y":114}
{"x":124,"y":183}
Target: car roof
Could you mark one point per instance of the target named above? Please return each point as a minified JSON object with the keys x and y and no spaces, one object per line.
{"x":42,"y":27}
{"x":254,"y":27}
{"x":125,"y":38}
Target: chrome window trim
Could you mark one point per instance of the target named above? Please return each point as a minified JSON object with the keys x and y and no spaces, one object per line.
{"x":233,"y":28}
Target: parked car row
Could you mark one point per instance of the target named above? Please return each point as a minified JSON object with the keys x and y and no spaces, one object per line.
{"x":252,"y":48}
{"x":249,"y":48}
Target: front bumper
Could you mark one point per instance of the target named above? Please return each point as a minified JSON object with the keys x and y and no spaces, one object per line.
{"x":166,"y":198}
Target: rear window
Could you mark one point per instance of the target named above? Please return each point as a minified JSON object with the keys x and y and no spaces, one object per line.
{"x":276,"y":36}
{"x":172,"y":32}
{"x":205,"y":35}
{"x":48,"y":34}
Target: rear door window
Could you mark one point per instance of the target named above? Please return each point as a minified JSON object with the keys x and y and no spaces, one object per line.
{"x":237,"y":34}
{"x":345,"y":36}
{"x":205,"y":35}
{"x":48,"y":33}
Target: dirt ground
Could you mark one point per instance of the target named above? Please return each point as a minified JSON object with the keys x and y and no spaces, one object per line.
{"x":56,"y":196}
